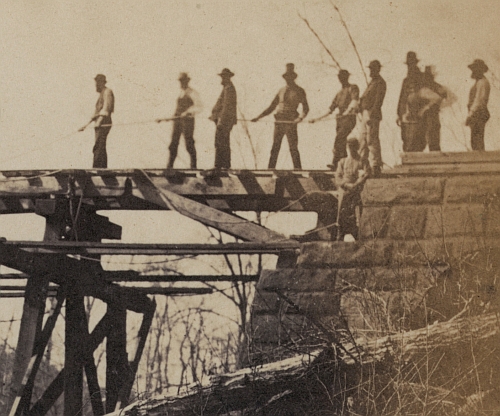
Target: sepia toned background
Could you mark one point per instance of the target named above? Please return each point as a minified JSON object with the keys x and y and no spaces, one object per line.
{"x":52,"y":49}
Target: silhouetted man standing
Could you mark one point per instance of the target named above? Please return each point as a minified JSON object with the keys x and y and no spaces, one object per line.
{"x":432,"y":124}
{"x":224,"y":116}
{"x":188,"y":105}
{"x":370,"y":107}
{"x":346,"y":101}
{"x":286,"y":103}
{"x":478,"y":104}
{"x":413,"y":82}
{"x":104,"y":107}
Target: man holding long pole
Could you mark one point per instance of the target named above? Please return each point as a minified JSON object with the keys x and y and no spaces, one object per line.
{"x":286,"y":102}
{"x":104,"y":107}
{"x":188,"y":105}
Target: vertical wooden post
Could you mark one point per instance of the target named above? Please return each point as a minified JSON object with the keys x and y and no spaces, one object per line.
{"x":117,"y":368}
{"x":76,"y":332}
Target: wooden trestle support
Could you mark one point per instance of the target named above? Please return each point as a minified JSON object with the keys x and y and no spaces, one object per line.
{"x":69,"y":201}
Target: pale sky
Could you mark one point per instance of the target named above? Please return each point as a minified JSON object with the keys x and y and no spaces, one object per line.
{"x":51,"y":51}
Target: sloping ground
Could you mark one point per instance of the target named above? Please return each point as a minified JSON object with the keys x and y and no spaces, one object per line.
{"x":309,"y":384}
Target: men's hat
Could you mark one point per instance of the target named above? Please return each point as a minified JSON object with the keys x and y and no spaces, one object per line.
{"x":100,"y":78}
{"x":352,"y":141}
{"x":375,"y":64}
{"x":184,"y":76}
{"x":226,"y":73}
{"x":479,"y":65}
{"x":290,"y":72}
{"x":411,"y":58}
{"x":344,"y":73}
{"x":430,"y":71}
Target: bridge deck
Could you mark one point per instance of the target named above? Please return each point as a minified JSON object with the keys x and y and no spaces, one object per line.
{"x":108,"y":189}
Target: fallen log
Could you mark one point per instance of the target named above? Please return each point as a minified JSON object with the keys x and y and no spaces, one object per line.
{"x":250,"y":386}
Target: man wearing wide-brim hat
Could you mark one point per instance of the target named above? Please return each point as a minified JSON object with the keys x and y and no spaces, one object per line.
{"x":346,"y":101}
{"x":478,"y":113}
{"x":224,"y":116}
{"x":104,"y":107}
{"x":370,"y":107}
{"x":188,"y":105}
{"x":286,"y":104}
{"x":413,"y":82}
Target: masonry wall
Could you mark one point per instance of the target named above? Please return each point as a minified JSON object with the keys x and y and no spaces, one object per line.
{"x":427,"y":242}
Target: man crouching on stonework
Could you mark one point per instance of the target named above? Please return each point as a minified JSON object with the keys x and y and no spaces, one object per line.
{"x":351,"y":175}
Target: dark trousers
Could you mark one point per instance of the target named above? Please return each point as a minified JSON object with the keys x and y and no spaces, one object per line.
{"x":183,"y":126}
{"x":413,"y":135}
{"x":222,"y":147}
{"x":433,"y":131}
{"x":99,"y":150}
{"x":290,"y":129}
{"x":477,"y":124}
{"x":344,"y":127}
{"x":348,"y":221}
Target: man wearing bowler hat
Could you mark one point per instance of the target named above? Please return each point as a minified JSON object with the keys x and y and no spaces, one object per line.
{"x":346,"y":101}
{"x":413,"y":82}
{"x":286,"y":103}
{"x":104,"y":107}
{"x":478,"y":113}
{"x":188,"y":105}
{"x":370,"y":107}
{"x":224,"y":116}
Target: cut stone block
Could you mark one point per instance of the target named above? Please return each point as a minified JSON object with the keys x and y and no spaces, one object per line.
{"x":374,"y":222}
{"x":344,"y":255}
{"x":403,"y":191}
{"x":407,"y":222}
{"x":471,"y":189}
{"x":297,"y":280}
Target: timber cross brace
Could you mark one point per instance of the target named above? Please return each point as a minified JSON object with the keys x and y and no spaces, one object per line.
{"x":69,"y":201}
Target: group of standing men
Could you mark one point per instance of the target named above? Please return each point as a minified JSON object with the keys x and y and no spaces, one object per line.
{"x":417,"y":115}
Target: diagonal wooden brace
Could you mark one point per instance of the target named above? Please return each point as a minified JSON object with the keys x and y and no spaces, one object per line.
{"x":236,"y":226}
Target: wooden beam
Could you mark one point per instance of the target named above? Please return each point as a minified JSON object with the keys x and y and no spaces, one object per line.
{"x":56,"y":387}
{"x":34,"y":299}
{"x":97,"y":248}
{"x":84,"y":275}
{"x":142,"y":335}
{"x":230,"y":224}
{"x":116,"y":356}
{"x":133,"y":276}
{"x":75,"y":332}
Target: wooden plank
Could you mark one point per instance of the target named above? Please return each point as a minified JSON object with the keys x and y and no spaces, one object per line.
{"x":443,"y":169}
{"x":219,"y":220}
{"x":420,"y":158}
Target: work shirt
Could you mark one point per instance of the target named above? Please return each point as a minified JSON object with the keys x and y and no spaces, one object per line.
{"x":105,"y":104}
{"x":188,"y":102}
{"x":286,"y":103}
{"x":478,"y":97}
{"x":350,"y":169}
{"x":346,"y":100}
{"x":413,"y":80}
{"x":224,"y":110}
{"x":417,"y":101}
{"x":373,"y":98}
